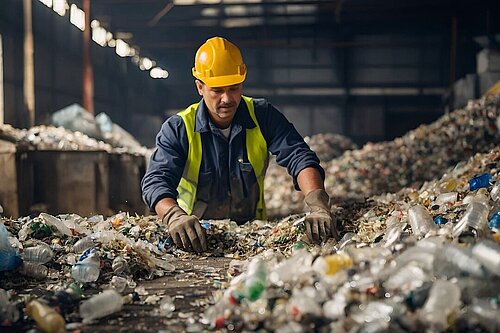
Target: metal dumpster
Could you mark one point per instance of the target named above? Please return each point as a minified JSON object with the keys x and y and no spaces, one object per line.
{"x":70,"y":182}
{"x":125,"y":174}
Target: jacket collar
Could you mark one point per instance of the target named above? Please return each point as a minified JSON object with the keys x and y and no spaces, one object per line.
{"x":242,"y":117}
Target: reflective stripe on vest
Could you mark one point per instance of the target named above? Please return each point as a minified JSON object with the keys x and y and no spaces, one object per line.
{"x":257,"y":156}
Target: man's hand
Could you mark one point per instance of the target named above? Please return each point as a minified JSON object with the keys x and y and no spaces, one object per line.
{"x":319,"y":223}
{"x":186,"y":230}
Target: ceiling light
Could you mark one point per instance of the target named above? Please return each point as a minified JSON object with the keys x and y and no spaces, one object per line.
{"x":210,"y":11}
{"x":77,"y":17}
{"x":146,"y":63}
{"x":242,"y":22}
{"x":184,"y":2}
{"x":95,"y":24}
{"x":158,"y":73}
{"x":122,"y":48}
{"x":99,"y":35}
{"x":47,"y":3}
{"x":60,"y":7}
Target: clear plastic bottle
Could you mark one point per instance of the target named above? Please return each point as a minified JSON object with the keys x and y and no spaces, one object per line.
{"x":119,"y":265}
{"x":119,"y":283}
{"x":87,"y":269}
{"x":47,"y":319}
{"x":102,"y":305}
{"x":34,"y":270}
{"x":488,"y":253}
{"x":9,"y":260}
{"x":420,"y":221}
{"x":41,"y":253}
{"x":444,"y":298}
{"x":495,"y":192}
{"x":452,"y":261}
{"x":83,"y":244}
{"x":474,"y":219}
{"x":255,"y":282}
{"x":448,"y":197}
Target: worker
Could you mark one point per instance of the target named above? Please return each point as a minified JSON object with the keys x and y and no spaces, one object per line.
{"x":210,"y":159}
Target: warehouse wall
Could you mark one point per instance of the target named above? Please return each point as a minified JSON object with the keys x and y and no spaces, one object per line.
{"x":121,"y":89}
{"x":370,"y":82}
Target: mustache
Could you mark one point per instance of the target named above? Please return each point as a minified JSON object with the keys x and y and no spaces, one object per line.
{"x":228,"y":105}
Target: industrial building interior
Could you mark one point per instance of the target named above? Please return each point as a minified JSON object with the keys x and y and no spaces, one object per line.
{"x":399,"y":100}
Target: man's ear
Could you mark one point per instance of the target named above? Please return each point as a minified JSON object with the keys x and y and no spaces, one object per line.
{"x":199,"y":86}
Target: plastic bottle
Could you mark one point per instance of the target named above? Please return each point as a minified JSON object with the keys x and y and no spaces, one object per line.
{"x":164,"y":264}
{"x":9,"y":260}
{"x":56,"y":223}
{"x":119,"y":283}
{"x":255,"y":282}
{"x":47,"y":319}
{"x":444,"y":198}
{"x":102,"y":305}
{"x":41,"y":253}
{"x":332,"y":264}
{"x":474,"y":219}
{"x":495,"y":192}
{"x":488,"y":253}
{"x":444,"y":298}
{"x":452,"y":261}
{"x":87,"y":269}
{"x":420,"y":221}
{"x":480,"y":181}
{"x":494,"y":222}
{"x":83,"y":244}
{"x":119,"y":265}
{"x":34,"y":270}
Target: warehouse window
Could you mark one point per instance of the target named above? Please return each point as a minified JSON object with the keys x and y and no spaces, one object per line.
{"x":1,"y":83}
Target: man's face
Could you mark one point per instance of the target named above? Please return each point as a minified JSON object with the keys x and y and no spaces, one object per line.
{"x":222,"y":102}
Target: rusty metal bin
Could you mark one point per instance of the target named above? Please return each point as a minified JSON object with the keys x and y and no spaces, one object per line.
{"x":125,"y":174}
{"x":70,"y":182}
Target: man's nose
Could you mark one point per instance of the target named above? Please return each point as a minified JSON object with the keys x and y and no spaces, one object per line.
{"x":226,"y":97}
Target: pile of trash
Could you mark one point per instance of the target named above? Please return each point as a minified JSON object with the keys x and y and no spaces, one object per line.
{"x":51,"y":138}
{"x":419,"y":260}
{"x":73,"y":128}
{"x":420,"y":155}
{"x":281,"y":197}
{"x":329,"y":145}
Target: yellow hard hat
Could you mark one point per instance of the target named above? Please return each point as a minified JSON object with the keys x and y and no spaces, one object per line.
{"x":218,"y":63}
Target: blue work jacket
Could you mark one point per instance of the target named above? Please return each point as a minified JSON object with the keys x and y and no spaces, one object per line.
{"x":227,"y":182}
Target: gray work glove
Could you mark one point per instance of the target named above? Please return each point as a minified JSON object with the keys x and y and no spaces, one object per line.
{"x":319,"y":223}
{"x":185,"y":230}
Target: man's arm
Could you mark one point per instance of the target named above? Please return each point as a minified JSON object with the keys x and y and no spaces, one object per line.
{"x":309,"y":179}
{"x":164,"y":205}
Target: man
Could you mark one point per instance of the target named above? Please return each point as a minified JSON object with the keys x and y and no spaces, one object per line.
{"x":211,"y":158}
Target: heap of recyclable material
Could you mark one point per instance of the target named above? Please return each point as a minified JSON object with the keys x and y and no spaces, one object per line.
{"x":420,"y":155}
{"x":281,"y":197}
{"x":51,"y":138}
{"x":419,"y":260}
{"x":329,"y":145}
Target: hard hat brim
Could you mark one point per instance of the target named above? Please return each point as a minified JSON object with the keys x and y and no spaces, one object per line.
{"x":220,"y":81}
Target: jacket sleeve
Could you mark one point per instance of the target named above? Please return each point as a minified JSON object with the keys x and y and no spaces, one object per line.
{"x":284,"y":141}
{"x":167,"y":163}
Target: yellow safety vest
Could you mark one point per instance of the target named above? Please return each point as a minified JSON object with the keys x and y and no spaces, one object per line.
{"x":256,"y":150}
